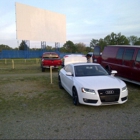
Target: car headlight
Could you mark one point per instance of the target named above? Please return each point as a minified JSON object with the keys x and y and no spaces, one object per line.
{"x":124,"y":88}
{"x":86,"y":90}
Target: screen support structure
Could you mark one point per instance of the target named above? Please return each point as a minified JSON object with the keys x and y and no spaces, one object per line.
{"x":57,"y":46}
{"x":43,"y":45}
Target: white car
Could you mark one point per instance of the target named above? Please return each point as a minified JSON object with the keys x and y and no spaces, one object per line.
{"x":74,"y":58}
{"x":90,"y":84}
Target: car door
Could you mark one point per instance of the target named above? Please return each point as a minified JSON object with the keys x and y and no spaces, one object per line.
{"x":69,"y":79}
{"x":127,"y":63}
{"x":119,"y":61}
{"x":63,"y":77}
{"x":136,"y":68}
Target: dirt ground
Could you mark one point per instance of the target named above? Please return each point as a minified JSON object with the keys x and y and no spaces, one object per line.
{"x":32,"y":108}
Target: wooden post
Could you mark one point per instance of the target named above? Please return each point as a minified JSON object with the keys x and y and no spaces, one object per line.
{"x":5,"y":61}
{"x":51,"y":74}
{"x":13,"y":64}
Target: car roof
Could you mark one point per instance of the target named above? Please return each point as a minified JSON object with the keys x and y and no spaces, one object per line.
{"x":90,"y":53}
{"x":74,"y":58}
{"x":49,"y":53}
{"x":80,"y":64}
{"x":131,"y":46}
{"x":72,"y":55}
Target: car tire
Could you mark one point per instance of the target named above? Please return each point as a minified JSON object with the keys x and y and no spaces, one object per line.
{"x":60,"y":84}
{"x":43,"y":69}
{"x":75,"y":97}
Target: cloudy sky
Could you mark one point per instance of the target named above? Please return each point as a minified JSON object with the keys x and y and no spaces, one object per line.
{"x":85,"y":19}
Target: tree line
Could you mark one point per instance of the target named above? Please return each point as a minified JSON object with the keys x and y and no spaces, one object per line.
{"x":115,"y":39}
{"x":70,"y":47}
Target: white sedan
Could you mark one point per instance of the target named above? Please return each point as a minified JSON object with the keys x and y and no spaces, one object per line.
{"x":90,"y":84}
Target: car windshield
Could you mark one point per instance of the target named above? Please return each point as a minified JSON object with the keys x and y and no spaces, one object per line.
{"x":89,"y":70}
{"x":50,"y":56}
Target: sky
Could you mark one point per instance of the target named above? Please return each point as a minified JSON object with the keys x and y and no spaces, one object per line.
{"x":85,"y":19}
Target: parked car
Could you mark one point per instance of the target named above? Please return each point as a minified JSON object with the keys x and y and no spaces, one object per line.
{"x":73,"y":58}
{"x":50,"y":59}
{"x":91,"y":84}
{"x":123,"y":58}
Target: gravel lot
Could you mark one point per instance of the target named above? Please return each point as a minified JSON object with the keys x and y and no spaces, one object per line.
{"x":39,"y":114}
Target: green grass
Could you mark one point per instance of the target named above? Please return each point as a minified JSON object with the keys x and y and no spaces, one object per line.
{"x":19,"y":64}
{"x":21,"y":61}
{"x":32,"y":93}
{"x":23,"y":98}
{"x":24,"y":69}
{"x":47,"y":96}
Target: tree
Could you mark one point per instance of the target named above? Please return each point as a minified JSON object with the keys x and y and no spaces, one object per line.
{"x":112,"y":39}
{"x":133,"y":39}
{"x":48,"y":48}
{"x":107,"y":39}
{"x":80,"y":47}
{"x":5,"y":47}
{"x":102,"y":43}
{"x":122,"y":40}
{"x":23,"y":46}
{"x":89,"y":49}
{"x":93,"y":43}
{"x":137,"y":42}
{"x":116,"y":39}
{"x":63,"y":49}
{"x":70,"y":47}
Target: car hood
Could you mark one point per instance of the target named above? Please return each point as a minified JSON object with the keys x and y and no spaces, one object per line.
{"x":100,"y":82}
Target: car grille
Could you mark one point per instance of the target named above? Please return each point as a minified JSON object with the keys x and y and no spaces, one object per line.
{"x":109,"y":95}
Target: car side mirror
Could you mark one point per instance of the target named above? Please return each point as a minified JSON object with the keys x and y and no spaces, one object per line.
{"x":69,"y":74}
{"x":113,"y":72}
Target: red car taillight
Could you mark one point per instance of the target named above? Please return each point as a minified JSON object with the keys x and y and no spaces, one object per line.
{"x":65,"y":56}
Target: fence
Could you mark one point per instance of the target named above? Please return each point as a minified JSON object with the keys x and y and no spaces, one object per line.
{"x":19,"y":63}
{"x":21,"y":54}
{"x":25,"y":54}
{"x":19,"y":59}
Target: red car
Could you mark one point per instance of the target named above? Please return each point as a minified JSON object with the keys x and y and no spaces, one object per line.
{"x":50,"y":59}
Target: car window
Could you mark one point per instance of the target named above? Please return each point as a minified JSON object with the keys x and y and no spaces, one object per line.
{"x":89,"y":70}
{"x":50,"y":56}
{"x":138,"y":56}
{"x":96,"y":50}
{"x":68,"y":68}
{"x":120,"y":53}
{"x":128,"y":54}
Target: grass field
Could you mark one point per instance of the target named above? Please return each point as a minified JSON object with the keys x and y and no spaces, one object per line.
{"x":8,"y":64}
{"x":31,"y":107}
{"x":39,"y":87}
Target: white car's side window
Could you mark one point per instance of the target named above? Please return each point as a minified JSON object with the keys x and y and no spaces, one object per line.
{"x":68,"y":68}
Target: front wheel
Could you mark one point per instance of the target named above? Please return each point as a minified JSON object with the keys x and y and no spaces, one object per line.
{"x":75,"y":97}
{"x":60,"y":84}
{"x":43,"y":69}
